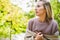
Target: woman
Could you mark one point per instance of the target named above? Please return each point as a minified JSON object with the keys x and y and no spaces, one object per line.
{"x":44,"y":24}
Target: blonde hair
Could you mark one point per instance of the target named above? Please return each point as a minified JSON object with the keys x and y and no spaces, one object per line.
{"x":49,"y":11}
{"x":47,"y":6}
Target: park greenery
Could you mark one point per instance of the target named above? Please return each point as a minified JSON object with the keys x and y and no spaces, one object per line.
{"x":13,"y":20}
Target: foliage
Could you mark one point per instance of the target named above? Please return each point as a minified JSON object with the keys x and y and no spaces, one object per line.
{"x":56,"y":9}
{"x":12,"y":19}
{"x":4,"y":24}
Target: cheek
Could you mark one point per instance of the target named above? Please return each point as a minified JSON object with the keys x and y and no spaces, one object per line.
{"x":42,"y":11}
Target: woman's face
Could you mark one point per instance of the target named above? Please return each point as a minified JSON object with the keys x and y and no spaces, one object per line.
{"x":40,"y":10}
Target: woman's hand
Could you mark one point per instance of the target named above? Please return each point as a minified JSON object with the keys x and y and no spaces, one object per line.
{"x":39,"y":36}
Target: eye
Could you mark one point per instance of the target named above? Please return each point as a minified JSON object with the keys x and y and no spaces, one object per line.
{"x":38,"y":5}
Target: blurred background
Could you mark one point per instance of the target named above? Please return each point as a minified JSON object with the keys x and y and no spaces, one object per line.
{"x":15,"y":14}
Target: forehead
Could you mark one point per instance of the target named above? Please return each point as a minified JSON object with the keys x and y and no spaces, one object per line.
{"x":40,"y":3}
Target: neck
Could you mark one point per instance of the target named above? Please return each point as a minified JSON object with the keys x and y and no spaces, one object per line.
{"x":42,"y":18}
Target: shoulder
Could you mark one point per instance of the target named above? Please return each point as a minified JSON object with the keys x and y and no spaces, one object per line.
{"x":54,"y":22}
{"x":32,"y":19}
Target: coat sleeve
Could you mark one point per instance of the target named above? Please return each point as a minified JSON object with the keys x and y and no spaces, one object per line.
{"x":29,"y":35}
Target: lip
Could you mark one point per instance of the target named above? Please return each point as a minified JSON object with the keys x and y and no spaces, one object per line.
{"x":36,"y":12}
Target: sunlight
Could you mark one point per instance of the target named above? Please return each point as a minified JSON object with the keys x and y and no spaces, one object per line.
{"x":24,"y":4}
{"x":59,"y":0}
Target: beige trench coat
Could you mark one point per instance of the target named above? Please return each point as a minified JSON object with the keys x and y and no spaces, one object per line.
{"x":30,"y":36}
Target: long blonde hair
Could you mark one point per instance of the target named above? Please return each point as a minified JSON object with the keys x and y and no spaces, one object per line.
{"x":47,"y":6}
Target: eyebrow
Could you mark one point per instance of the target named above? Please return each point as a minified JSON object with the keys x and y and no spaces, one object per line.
{"x":40,"y":5}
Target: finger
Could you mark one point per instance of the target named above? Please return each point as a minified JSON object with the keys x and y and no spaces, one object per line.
{"x":39,"y":33}
{"x":36,"y":32}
